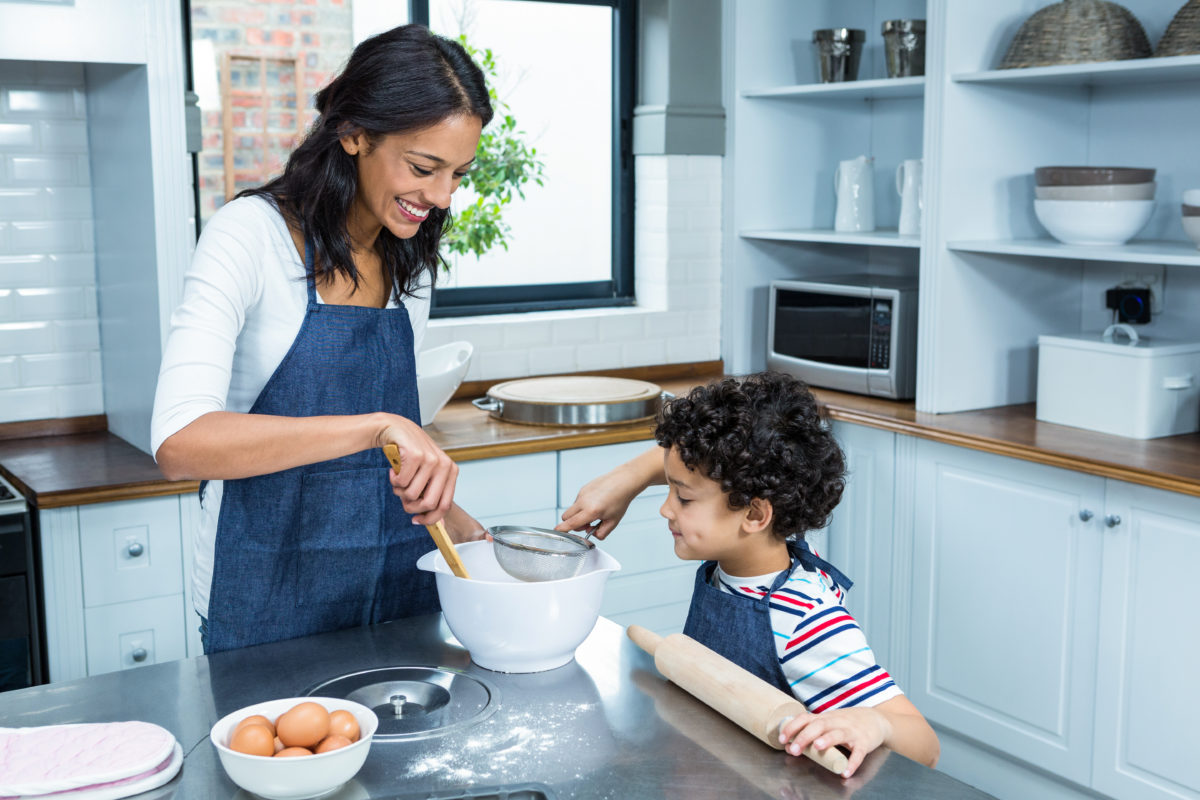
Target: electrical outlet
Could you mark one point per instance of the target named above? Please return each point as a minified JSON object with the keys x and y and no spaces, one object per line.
{"x":1150,"y":276}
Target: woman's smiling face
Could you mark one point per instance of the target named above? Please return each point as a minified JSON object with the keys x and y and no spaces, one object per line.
{"x":403,"y":176}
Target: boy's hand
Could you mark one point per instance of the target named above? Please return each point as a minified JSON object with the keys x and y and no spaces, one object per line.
{"x":859,"y":730}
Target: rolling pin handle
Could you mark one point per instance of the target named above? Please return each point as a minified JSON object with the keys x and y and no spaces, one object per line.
{"x":644,"y":638}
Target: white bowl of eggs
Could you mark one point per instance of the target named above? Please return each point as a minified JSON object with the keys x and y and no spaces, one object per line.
{"x":294,"y":748}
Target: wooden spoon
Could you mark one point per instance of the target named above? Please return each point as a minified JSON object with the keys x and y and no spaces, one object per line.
{"x":437,"y":530}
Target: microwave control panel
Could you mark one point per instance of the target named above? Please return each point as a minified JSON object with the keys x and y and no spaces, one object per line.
{"x":881,"y":334}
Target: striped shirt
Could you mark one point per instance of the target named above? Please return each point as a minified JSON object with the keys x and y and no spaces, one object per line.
{"x":822,"y":651}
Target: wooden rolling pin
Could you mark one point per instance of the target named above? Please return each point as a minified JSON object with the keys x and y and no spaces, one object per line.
{"x":735,"y":693}
{"x":437,"y":530}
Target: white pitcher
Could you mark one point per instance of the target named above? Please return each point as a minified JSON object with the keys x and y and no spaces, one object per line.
{"x":854,"y":183}
{"x":912,"y":202}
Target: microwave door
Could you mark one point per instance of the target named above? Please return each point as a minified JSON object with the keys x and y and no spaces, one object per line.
{"x":823,"y":338}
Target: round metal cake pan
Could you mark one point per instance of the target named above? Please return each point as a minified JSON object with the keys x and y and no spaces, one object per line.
{"x":641,"y":403}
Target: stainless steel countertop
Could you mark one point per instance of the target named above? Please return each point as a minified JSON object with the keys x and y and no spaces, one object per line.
{"x":607,"y":725}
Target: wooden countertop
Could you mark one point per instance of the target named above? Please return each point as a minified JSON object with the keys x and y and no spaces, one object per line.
{"x":96,"y":467}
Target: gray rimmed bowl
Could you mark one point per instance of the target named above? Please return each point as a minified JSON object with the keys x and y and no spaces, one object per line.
{"x":1091,"y":176}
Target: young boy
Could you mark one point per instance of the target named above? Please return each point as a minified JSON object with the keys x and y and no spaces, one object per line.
{"x":751,"y":468}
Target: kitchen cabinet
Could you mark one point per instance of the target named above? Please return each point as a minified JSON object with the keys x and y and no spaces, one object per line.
{"x":991,"y":279}
{"x":1042,"y":599}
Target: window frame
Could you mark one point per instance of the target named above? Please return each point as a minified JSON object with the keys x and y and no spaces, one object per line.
{"x":618,"y":290}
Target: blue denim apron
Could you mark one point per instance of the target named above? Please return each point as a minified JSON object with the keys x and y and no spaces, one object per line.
{"x":739,"y":627}
{"x":323,"y":546}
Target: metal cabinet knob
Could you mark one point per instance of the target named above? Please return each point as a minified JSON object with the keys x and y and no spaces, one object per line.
{"x":1085,"y":514}
{"x":1112,"y":520}
{"x":139,"y":654}
{"x":135,"y":549}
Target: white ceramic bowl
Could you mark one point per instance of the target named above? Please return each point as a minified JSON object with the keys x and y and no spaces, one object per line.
{"x":300,"y":777}
{"x":1093,"y":222}
{"x":509,"y":625}
{"x":1191,"y":197}
{"x":1102,"y":191}
{"x":440,"y":371}
{"x":1191,"y":226}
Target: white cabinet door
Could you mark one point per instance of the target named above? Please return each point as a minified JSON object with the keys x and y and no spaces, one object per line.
{"x":1005,"y":604}
{"x":1147,"y":695}
{"x":134,"y":634}
{"x":858,"y":539}
{"x":130,"y":550}
{"x":515,"y":489}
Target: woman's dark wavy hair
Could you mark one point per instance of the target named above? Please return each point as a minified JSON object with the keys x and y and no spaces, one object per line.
{"x":760,"y":436}
{"x":399,"y":81}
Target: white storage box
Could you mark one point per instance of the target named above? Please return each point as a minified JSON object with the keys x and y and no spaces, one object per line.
{"x":1141,"y":387}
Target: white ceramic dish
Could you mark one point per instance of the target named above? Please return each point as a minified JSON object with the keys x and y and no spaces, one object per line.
{"x":294,"y":778}
{"x":1102,"y":191}
{"x":1191,"y":226}
{"x":1093,"y":222}
{"x":509,"y":625}
{"x":440,"y":371}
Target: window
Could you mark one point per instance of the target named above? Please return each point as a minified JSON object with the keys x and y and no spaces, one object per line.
{"x":565,"y":70}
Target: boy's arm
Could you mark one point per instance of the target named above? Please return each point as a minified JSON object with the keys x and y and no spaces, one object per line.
{"x":895,"y":723}
{"x":607,"y":497}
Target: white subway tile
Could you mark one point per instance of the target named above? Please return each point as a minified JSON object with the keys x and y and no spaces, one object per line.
{"x":18,"y":405}
{"x":501,"y":365}
{"x":528,"y":334}
{"x":3,"y":237}
{"x":649,"y":352}
{"x":649,"y":167}
{"x":42,"y":170}
{"x":50,"y":304}
{"x":652,"y":295}
{"x":91,"y":303}
{"x":651,"y":192}
{"x":95,"y":367}
{"x":621,"y":328}
{"x":666,"y":325}
{"x":80,"y":401}
{"x":576,"y":331}
{"x":702,"y":270}
{"x":7,"y":304}
{"x":43,"y":237}
{"x":598,"y":356}
{"x":22,"y":204}
{"x":23,"y":272}
{"x":689,"y":348}
{"x":706,"y":168}
{"x":650,"y":245}
{"x":552,"y":360}
{"x":76,"y":335}
{"x":71,"y":269}
{"x":10,"y":375}
{"x":651,"y":218}
{"x":651,"y":268}
{"x":704,"y":218}
{"x":704,"y":323}
{"x":436,"y":336}
{"x":485,"y":337}
{"x":695,"y":245}
{"x":55,"y":369}
{"x":69,"y":202}
{"x":17,"y":136}
{"x":688,"y":192}
{"x":46,"y":101}
{"x":63,"y":136}
{"x":83,"y":170}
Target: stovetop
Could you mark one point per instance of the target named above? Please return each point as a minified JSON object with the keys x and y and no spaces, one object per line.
{"x":11,"y":501}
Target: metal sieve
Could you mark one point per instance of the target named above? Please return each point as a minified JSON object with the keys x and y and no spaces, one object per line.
{"x":539,"y":554}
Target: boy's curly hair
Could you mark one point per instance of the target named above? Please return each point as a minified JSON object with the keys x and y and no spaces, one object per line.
{"x":760,"y":436}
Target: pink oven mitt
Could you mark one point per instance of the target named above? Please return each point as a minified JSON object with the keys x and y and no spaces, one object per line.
{"x":87,"y":761}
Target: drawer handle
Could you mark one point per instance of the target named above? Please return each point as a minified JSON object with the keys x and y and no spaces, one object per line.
{"x":139,"y":654}
{"x":1085,"y":514}
{"x":1112,"y":520}
{"x":135,"y":549}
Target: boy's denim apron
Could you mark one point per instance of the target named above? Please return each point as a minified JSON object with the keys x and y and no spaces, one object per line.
{"x":739,"y":627}
{"x":323,"y":546}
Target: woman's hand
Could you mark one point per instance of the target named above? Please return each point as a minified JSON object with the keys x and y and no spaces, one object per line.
{"x":860,"y":730}
{"x":602,"y":501}
{"x":426,"y":479}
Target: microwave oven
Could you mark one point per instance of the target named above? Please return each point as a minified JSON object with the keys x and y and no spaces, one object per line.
{"x":854,"y":333}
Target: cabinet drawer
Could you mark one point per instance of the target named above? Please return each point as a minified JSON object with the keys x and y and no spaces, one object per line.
{"x":130,"y":550}
{"x":125,"y":635}
{"x":507,"y":485}
{"x":642,"y":541}
{"x":626,"y":593}
{"x":577,"y":467}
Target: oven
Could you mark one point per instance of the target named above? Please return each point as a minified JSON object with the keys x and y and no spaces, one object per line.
{"x":22,"y":654}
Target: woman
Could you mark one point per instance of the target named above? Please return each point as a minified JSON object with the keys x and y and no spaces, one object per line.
{"x":290,"y":361}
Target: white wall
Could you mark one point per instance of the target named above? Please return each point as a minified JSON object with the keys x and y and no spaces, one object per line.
{"x":49,"y":333}
{"x":677,"y":266}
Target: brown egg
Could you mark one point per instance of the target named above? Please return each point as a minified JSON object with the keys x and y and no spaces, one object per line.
{"x":278,"y":744}
{"x":343,"y":723}
{"x":253,"y":739}
{"x":258,"y":719}
{"x":303,"y":725}
{"x":292,"y":752}
{"x":334,"y":741}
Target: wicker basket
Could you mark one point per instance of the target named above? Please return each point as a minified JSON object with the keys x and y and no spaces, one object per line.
{"x":1182,"y":36}
{"x":1075,"y":31}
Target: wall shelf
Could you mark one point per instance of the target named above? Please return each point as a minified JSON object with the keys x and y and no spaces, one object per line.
{"x":1169,"y":252}
{"x":1104,"y":73}
{"x":878,"y":88}
{"x":882,"y":237}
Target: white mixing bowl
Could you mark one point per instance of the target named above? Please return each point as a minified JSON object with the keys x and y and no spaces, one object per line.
{"x":294,"y":778}
{"x":440,"y":371}
{"x":1087,"y":222}
{"x":509,"y":625}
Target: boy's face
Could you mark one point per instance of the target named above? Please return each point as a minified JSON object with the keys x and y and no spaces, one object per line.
{"x":698,"y":514}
